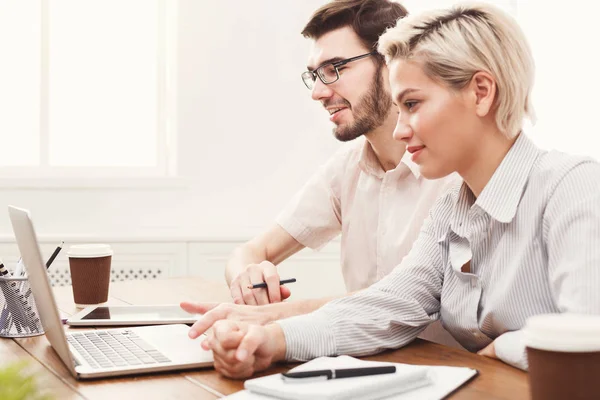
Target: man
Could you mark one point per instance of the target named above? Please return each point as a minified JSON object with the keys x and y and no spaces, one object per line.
{"x":370,"y":191}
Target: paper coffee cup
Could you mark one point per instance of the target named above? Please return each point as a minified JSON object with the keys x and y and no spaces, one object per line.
{"x":90,"y":273}
{"x":563,"y":352}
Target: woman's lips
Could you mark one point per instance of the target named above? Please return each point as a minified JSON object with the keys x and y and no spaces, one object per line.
{"x":415,"y":151}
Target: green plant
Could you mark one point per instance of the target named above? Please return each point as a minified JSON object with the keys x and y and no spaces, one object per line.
{"x":16,"y":383}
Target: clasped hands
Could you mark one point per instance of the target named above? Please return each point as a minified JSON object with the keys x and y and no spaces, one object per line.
{"x":239,"y":348}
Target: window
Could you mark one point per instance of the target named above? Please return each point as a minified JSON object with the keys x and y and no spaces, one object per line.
{"x":87,"y":88}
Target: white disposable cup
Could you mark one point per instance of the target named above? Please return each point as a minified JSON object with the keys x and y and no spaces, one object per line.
{"x":564,"y":356}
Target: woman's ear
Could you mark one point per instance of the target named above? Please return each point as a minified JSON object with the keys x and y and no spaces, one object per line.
{"x":483,"y":86}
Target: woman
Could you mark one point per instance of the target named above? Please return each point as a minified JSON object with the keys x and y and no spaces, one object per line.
{"x":517,"y":238}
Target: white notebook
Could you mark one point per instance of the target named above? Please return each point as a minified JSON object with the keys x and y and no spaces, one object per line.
{"x":406,"y":383}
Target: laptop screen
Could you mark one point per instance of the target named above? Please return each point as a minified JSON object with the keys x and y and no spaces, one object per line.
{"x":40,"y":283}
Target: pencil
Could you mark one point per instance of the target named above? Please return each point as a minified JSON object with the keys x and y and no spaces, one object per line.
{"x":53,"y":256}
{"x":264,"y":285}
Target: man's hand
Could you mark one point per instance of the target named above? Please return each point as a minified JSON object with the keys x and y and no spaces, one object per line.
{"x":488,"y":351}
{"x":213,"y":312}
{"x":257,"y":273}
{"x":241,"y":349}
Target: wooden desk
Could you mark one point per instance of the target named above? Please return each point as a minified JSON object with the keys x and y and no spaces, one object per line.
{"x":495,"y":381}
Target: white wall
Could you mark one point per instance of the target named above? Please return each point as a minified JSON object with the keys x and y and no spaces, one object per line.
{"x":564,"y":41}
{"x":248,"y":133}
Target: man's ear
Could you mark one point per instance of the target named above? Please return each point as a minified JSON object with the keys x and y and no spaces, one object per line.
{"x":483,"y":86}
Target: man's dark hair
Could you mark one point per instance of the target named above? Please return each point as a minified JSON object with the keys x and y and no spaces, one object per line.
{"x":368,"y":18}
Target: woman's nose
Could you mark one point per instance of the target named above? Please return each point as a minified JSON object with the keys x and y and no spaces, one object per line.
{"x":403,"y":131}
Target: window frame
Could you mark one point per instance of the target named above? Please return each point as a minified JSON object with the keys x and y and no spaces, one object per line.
{"x":165,"y":171}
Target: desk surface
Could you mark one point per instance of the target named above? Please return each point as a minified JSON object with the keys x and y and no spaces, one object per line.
{"x":495,"y":381}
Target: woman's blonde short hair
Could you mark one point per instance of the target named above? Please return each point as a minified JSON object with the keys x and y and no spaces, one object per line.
{"x":452,"y":45}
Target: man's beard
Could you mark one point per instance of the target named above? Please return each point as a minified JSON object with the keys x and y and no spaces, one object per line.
{"x":369,"y":113}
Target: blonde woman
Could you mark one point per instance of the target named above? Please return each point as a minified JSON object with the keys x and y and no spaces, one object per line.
{"x":518,"y":237}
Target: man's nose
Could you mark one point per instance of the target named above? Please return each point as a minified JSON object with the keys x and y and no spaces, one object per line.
{"x":321,"y":91}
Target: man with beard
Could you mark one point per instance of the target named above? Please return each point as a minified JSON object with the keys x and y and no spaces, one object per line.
{"x":370,"y":191}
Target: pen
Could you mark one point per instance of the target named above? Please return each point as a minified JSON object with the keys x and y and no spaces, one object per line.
{"x":53,"y":256}
{"x":48,"y":263}
{"x":20,"y":268}
{"x":337,"y":373}
{"x":264,"y":285}
{"x":5,"y":272}
{"x":4,"y":320}
{"x":19,"y":273}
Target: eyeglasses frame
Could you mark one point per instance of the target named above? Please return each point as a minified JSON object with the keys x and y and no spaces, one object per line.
{"x":315,"y":73}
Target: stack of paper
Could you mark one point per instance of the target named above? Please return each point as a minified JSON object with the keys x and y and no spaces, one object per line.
{"x":441,"y":382}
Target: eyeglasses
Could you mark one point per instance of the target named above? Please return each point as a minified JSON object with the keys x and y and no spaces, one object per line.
{"x":329,"y":73}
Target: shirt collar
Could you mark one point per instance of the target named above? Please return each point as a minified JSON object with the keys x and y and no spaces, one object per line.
{"x":370,"y":164}
{"x":368,"y":161}
{"x":463,"y":199}
{"x":414,"y":168}
{"x":501,"y":196}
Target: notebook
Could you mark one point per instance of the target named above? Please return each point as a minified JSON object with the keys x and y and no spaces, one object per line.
{"x":440,"y":382}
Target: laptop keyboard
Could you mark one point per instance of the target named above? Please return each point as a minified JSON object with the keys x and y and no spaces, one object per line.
{"x":105,"y":349}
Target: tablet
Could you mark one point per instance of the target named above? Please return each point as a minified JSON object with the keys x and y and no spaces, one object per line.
{"x":132,"y":315}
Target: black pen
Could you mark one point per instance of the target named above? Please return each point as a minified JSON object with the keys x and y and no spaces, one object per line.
{"x":53,"y":256}
{"x":337,"y":373}
{"x":264,"y":285}
{"x":48,"y":263}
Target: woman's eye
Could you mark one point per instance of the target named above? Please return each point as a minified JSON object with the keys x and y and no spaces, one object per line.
{"x":410,"y":104}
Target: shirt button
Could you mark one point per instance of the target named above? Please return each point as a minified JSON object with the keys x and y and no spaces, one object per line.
{"x":473,"y":282}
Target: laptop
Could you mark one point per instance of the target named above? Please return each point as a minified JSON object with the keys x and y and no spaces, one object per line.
{"x":109,"y":352}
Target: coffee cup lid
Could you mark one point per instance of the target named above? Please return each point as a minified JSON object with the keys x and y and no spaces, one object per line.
{"x":563,"y":332}
{"x":89,"y":250}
